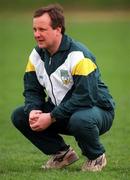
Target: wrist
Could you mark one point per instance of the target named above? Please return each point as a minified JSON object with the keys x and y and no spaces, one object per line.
{"x":52,"y":118}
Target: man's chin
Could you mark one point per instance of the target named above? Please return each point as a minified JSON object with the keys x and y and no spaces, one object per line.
{"x":40,"y":46}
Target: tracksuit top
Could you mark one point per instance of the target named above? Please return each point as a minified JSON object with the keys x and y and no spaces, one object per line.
{"x":70,"y":78}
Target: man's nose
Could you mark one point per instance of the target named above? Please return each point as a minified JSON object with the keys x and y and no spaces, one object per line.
{"x":37,"y":34}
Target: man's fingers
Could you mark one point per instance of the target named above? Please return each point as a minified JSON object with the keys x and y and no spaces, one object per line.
{"x":35,"y":128}
{"x":32,"y":121}
{"x":34,"y":114}
{"x":34,"y":117}
{"x":38,"y":111}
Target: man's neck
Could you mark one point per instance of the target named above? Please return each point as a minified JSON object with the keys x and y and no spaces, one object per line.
{"x":55,"y":47}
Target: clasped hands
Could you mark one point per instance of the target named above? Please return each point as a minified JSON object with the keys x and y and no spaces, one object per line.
{"x":39,"y":121}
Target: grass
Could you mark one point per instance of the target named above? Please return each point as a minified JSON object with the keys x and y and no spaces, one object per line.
{"x":109,"y":41}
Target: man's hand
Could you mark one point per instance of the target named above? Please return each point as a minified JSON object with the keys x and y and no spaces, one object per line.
{"x":40,"y":122}
{"x":33,"y":116}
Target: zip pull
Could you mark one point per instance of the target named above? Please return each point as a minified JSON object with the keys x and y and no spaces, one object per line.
{"x":50,"y":61}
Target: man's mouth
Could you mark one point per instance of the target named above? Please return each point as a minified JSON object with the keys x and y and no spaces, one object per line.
{"x":40,"y":41}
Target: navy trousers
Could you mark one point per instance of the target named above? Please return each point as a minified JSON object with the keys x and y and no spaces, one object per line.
{"x":85,"y":125}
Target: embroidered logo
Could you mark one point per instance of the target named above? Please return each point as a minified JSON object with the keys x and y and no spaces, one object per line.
{"x":65,"y":76}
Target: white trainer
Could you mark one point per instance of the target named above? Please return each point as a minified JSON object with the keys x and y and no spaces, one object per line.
{"x":61,"y":159}
{"x":96,"y":164}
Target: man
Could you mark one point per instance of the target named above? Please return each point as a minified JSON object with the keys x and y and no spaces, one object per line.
{"x":78,"y":103}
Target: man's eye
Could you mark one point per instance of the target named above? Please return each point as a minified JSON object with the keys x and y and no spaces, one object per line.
{"x":42,"y":29}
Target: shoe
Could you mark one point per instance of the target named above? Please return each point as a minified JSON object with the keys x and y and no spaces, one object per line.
{"x":95,"y":165}
{"x":61,"y":159}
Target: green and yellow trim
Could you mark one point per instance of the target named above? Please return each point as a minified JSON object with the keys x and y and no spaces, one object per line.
{"x":84,"y":67}
{"x":30,"y":67}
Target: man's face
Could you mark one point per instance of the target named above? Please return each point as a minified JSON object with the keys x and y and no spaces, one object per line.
{"x":44,"y":34}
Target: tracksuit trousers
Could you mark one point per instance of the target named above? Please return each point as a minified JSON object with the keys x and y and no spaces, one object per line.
{"x":85,"y":125}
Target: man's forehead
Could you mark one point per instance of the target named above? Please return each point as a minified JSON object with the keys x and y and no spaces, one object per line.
{"x":44,"y":18}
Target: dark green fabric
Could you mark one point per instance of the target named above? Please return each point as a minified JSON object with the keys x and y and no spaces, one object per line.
{"x":34,"y":93}
{"x":85,"y":125}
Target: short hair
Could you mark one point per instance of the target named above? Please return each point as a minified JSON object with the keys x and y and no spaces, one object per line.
{"x":55,"y":11}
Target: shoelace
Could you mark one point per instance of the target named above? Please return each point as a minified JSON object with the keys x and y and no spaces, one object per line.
{"x":89,"y":162}
{"x":97,"y":161}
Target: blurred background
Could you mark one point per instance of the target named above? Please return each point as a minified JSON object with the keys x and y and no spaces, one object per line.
{"x":69,"y":4}
{"x":104,"y":27}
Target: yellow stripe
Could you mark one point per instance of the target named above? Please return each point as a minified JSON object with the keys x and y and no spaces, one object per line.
{"x":84,"y":67}
{"x":30,"y":67}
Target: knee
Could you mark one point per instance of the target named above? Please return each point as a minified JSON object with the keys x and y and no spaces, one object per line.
{"x":17,"y":117}
{"x":80,"y":123}
{"x":14,"y":117}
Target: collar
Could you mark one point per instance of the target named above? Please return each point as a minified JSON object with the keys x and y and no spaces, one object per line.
{"x":65,"y":43}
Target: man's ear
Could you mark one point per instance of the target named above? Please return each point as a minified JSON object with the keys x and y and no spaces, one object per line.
{"x":58,"y":29}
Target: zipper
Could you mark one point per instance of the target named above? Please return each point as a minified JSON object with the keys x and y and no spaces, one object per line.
{"x":52,"y":91}
{"x":50,"y":61}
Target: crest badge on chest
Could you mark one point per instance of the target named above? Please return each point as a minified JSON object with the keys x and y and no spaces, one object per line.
{"x":65,"y":76}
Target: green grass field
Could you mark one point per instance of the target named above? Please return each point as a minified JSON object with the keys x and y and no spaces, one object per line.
{"x":110,"y":42}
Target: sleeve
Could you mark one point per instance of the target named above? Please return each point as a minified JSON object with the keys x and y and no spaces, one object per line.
{"x":34,"y":93}
{"x":83,"y":91}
